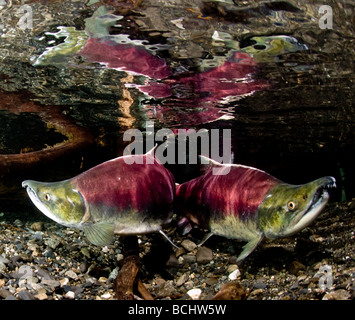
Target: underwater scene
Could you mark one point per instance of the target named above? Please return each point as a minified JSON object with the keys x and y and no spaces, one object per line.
{"x":177,"y":150}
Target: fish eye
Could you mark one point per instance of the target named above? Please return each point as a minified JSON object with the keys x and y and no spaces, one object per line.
{"x":291,"y":205}
{"x":47,"y":197}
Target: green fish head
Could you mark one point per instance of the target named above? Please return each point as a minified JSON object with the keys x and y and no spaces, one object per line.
{"x":59,"y":201}
{"x":288,"y":209}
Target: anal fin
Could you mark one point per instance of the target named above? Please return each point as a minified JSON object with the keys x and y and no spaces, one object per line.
{"x":250,"y":247}
{"x":205,"y":238}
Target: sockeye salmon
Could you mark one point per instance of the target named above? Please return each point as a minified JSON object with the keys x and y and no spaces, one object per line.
{"x":245,"y":203}
{"x":128,"y":195}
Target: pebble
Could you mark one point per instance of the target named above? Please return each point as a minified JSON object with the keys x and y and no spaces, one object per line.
{"x":231,"y":291}
{"x":2,"y":266}
{"x":167,"y":289}
{"x":181,"y":280}
{"x":63,"y":282}
{"x":340,"y":294}
{"x":71,"y":274}
{"x":194,"y":294}
{"x":114,"y":273}
{"x":234,"y":275}
{"x":106,"y":296}
{"x":51,"y":283}
{"x":69,"y":295}
{"x":4,"y":260}
{"x":204,"y":255}
{"x":4,"y":293}
{"x":52,"y":243}
{"x":259,"y":285}
{"x":38,"y":226}
{"x":85,"y":252}
{"x":296,"y":267}
{"x":189,"y":259}
{"x":188,"y":245}
{"x":25,"y":295}
{"x":179,"y":251}
{"x":41,"y":295}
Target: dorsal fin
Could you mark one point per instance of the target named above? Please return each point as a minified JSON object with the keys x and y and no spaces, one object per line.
{"x":210,"y":162}
{"x":151,"y":152}
{"x":217,"y":167}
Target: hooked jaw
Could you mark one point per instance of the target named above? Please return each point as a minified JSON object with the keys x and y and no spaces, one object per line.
{"x":319,"y":201}
{"x":289,"y":209}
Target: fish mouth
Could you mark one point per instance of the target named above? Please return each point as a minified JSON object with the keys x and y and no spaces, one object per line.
{"x":32,"y":194}
{"x":319,"y":200}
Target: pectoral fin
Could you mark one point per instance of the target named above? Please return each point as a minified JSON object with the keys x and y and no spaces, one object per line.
{"x":99,"y":234}
{"x":205,"y":238}
{"x":250,"y":246}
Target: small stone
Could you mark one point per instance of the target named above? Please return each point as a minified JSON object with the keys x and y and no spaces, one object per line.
{"x":43,"y":274}
{"x":165,"y":290}
{"x":234,"y":275}
{"x":83,"y":267}
{"x":85,"y":252}
{"x":296,"y":267}
{"x":52,"y":243}
{"x":114,"y":273}
{"x":69,"y":295}
{"x":38,"y":226}
{"x":25,"y":295}
{"x":194,"y":294}
{"x":102,"y":279}
{"x":179,"y":251}
{"x":31,"y":280}
{"x":41,"y":295}
{"x":119,"y":257}
{"x":189,"y":259}
{"x":256,"y":292}
{"x":18,"y":223}
{"x":204,"y":255}
{"x":2,"y":266}
{"x":71,"y":274}
{"x":259,"y":284}
{"x":340,"y":294}
{"x":106,"y":296}
{"x":49,"y":254}
{"x":294,"y":285}
{"x":51,"y":283}
{"x":4,"y":260}
{"x":4,"y":293}
{"x":182,"y":279}
{"x":231,"y":291}
{"x":188,"y":245}
{"x":159,"y":281}
{"x":63,"y":282}
{"x":2,"y":283}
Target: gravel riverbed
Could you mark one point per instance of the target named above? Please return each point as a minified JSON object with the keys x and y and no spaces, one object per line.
{"x":42,"y":260}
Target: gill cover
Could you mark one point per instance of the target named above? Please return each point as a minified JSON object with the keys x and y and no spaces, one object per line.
{"x":59,"y":201}
{"x":288,"y":209}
